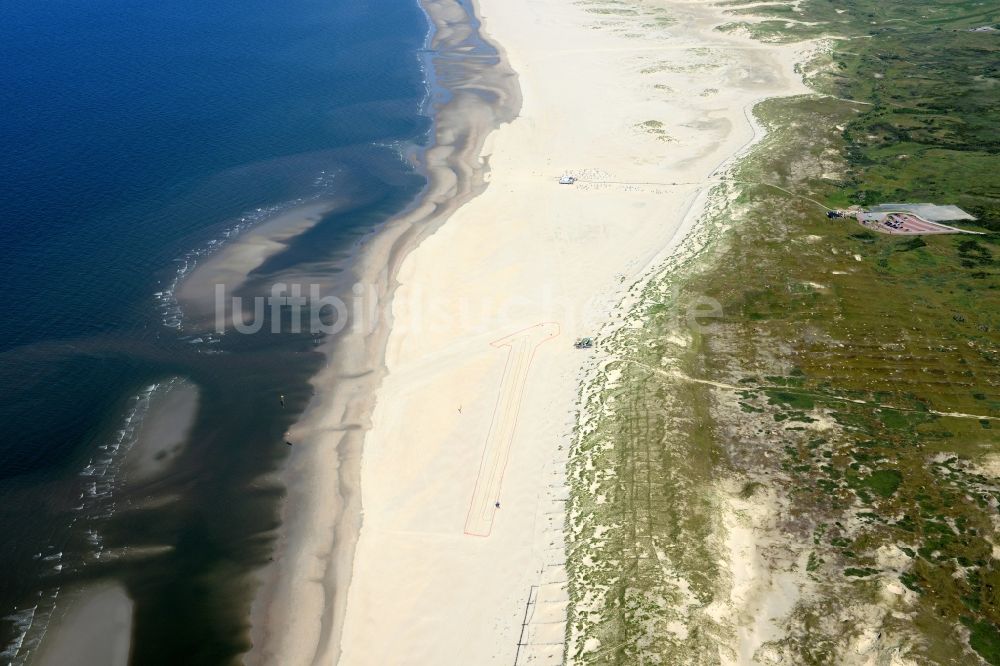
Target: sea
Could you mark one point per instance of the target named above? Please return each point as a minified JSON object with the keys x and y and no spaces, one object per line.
{"x":138,"y":139}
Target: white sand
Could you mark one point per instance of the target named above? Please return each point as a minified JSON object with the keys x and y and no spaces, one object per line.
{"x":478,"y":402}
{"x":299,"y":609}
{"x":439,"y":577}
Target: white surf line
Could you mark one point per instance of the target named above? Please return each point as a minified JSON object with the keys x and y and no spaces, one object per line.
{"x":791,"y":389}
{"x":486,"y":496}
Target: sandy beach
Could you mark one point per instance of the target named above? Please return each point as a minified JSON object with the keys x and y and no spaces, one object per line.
{"x":478,"y":403}
{"x":502,"y":333}
{"x":459,"y":558}
{"x":299,"y":610}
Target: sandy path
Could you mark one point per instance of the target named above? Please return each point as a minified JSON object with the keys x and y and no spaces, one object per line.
{"x":528,"y":250}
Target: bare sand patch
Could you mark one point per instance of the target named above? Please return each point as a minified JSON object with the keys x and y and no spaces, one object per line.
{"x":95,"y":628}
{"x":164,"y":432}
{"x":529,"y":250}
{"x":234,"y":262}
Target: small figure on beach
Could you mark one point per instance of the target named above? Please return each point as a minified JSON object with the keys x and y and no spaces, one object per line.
{"x":460,"y":409}
{"x":281,"y":399}
{"x":497,"y":504}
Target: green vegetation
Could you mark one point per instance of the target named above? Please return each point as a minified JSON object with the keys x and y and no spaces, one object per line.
{"x":985,"y":639}
{"x":896,"y":334}
{"x":928,"y":128}
{"x":655,"y":127}
{"x":851,"y":389}
{"x":884,"y":482}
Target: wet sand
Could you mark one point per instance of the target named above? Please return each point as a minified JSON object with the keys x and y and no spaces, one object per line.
{"x":299,"y":612}
{"x":233,"y":264}
{"x":95,"y":629}
{"x":164,"y":432}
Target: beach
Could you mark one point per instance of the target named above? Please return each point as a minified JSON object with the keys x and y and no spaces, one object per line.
{"x":299,"y":610}
{"x":474,"y":332}
{"x":462,"y":469}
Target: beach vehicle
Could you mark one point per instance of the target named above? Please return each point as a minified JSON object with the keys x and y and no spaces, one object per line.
{"x":567,"y":180}
{"x":584,"y":343}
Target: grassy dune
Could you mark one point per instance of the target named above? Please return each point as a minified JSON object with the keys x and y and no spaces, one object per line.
{"x":820,"y":465}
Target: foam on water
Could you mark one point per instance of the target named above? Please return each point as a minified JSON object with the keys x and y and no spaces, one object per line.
{"x":122,"y":165}
{"x":30,"y":625}
{"x":171,"y":314}
{"x":100,"y":477}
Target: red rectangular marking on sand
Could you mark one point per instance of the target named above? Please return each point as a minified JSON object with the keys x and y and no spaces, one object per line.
{"x":521,"y":352}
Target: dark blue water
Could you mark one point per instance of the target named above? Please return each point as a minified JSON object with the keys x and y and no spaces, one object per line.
{"x":131,"y":133}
